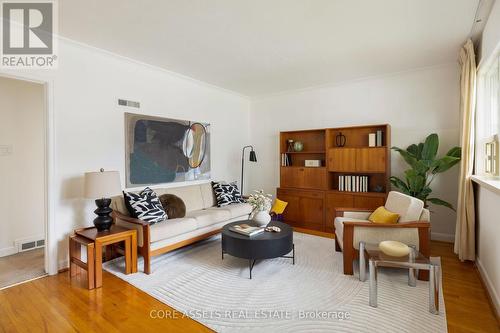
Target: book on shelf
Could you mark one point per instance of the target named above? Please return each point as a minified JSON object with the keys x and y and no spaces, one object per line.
{"x":351,"y":183}
{"x":246,"y":229}
{"x":286,"y":160}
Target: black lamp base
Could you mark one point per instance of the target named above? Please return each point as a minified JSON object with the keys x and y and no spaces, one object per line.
{"x":103,"y":221}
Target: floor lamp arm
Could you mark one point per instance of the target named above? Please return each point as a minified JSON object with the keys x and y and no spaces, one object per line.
{"x":243,"y":166}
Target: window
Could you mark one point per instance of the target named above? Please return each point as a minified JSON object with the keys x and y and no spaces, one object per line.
{"x":488,"y":120}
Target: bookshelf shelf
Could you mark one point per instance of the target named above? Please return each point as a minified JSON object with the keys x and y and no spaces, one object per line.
{"x":373,"y":194}
{"x":304,"y":152}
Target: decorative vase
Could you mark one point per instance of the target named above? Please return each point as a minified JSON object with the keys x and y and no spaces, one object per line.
{"x":298,"y":146}
{"x":262,"y":218}
{"x":340,"y":140}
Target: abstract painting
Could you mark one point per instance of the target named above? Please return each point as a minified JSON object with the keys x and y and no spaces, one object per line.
{"x":162,"y":150}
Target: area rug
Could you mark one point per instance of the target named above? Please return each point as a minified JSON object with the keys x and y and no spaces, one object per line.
{"x":311,"y":296}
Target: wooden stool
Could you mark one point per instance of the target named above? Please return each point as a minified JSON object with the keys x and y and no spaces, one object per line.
{"x":76,"y":263}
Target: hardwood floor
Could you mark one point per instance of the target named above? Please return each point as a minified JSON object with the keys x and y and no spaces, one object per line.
{"x":56,"y":304}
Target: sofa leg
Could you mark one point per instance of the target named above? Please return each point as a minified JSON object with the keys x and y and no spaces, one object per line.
{"x":337,"y":245}
{"x":147,"y":264}
{"x":348,"y":258}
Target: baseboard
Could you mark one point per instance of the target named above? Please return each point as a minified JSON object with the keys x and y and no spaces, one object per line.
{"x":62,"y":265}
{"x":438,"y":236}
{"x":494,"y":297}
{"x":7,"y":251}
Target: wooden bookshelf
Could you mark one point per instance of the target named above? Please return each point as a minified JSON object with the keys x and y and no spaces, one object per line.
{"x":313,"y":193}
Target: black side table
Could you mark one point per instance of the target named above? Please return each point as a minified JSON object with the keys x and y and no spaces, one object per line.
{"x":266,"y":245}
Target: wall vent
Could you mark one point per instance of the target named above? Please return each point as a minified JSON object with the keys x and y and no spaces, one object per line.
{"x":132,"y":104}
{"x":30,"y":243}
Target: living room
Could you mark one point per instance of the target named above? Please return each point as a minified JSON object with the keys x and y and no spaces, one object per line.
{"x":242,"y":79}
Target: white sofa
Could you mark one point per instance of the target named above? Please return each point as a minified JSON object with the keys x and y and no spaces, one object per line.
{"x":203,"y":219}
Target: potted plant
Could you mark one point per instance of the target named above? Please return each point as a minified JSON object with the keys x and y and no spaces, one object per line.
{"x":425,"y":165}
{"x":261,"y":203}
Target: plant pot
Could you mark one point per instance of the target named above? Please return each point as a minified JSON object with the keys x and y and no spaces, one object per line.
{"x":262,"y":218}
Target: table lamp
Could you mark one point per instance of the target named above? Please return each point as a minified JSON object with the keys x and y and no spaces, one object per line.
{"x":102,"y":185}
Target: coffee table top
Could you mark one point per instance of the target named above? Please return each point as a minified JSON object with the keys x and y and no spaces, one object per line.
{"x":286,"y":230}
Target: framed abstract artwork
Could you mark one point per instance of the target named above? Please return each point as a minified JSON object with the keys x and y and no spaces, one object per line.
{"x":162,"y":150}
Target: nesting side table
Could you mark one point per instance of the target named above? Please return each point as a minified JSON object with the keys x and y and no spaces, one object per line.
{"x":94,"y":241}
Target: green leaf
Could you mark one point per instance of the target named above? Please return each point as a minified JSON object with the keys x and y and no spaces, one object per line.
{"x":420,"y":148}
{"x":455,"y":152}
{"x":430,"y":148}
{"x":424,"y":193}
{"x":445,"y":163}
{"x":409,"y":158}
{"x":440,"y":202}
{"x":413,"y":149}
{"x":398,"y":183}
{"x":416,"y":181}
{"x":421,"y":167}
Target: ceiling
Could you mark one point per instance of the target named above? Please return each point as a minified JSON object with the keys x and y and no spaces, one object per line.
{"x":260,"y":47}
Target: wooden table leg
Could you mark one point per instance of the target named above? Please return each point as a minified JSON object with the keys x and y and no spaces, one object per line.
{"x":134,"y":252}
{"x":74,"y":252}
{"x":90,"y":267}
{"x":128,"y":256}
{"x":98,"y":264}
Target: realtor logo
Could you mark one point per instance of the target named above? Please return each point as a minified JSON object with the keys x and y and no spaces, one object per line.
{"x":28,"y":34}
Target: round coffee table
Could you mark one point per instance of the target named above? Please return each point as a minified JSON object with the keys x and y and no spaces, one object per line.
{"x":266,"y":245}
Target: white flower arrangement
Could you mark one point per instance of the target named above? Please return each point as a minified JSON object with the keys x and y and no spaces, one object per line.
{"x":260,"y":201}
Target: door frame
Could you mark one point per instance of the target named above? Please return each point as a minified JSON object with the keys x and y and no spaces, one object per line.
{"x":50,"y":248}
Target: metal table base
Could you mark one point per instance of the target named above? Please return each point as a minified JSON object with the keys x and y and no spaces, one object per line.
{"x":412,"y":267}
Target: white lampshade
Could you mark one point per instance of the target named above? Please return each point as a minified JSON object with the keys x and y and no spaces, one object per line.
{"x":102,"y":184}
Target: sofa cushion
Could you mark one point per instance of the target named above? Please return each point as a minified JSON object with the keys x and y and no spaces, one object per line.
{"x":171,"y":228}
{"x":236,"y":210}
{"x":339,"y":227}
{"x":145,"y":206}
{"x":207,"y":217}
{"x":208,"y":195}
{"x":191,"y":195}
{"x":408,"y":208}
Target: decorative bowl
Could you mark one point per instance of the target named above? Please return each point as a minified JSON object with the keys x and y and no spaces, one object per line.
{"x":298,"y":146}
{"x":394,"y":248}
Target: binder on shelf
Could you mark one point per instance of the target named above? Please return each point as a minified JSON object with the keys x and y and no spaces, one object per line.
{"x":371,"y":139}
{"x":353,"y":183}
{"x":379,"y":138}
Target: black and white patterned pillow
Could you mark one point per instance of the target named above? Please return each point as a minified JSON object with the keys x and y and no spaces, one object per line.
{"x":226,"y":194}
{"x":145,"y":206}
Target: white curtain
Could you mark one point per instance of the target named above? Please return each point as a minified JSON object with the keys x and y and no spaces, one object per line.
{"x":465,"y":245}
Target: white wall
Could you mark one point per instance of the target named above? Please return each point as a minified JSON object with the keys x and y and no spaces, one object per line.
{"x":89,"y":126}
{"x":415,"y":103}
{"x":22,"y":173}
{"x":491,"y":33}
{"x":488,"y":246}
{"x":487,"y":208}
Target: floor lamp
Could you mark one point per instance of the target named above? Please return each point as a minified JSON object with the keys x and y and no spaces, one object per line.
{"x":251,"y":158}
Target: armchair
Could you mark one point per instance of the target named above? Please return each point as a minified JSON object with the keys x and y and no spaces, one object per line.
{"x":413,"y":228}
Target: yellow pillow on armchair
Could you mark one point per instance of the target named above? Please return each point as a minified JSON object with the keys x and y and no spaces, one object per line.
{"x":383,"y":216}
